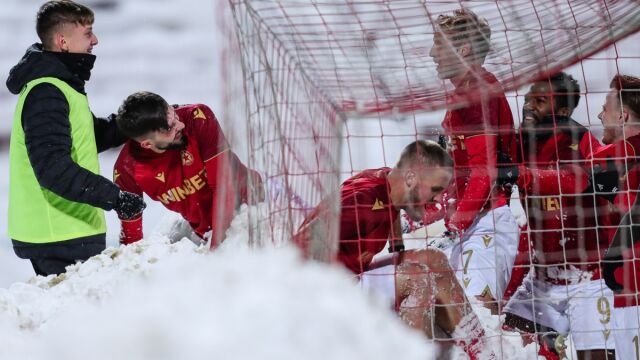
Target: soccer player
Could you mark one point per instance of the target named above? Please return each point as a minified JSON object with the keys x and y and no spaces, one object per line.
{"x":564,"y":291}
{"x":180,"y":157}
{"x":620,"y":117}
{"x":419,"y":284}
{"x":474,"y":208}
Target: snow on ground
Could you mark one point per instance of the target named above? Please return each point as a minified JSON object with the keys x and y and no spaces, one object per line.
{"x":154,"y":300}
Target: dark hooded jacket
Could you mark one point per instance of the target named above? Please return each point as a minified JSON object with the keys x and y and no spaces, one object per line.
{"x":45,"y":120}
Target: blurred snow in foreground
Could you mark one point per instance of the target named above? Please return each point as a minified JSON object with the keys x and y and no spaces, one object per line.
{"x":155,"y":300}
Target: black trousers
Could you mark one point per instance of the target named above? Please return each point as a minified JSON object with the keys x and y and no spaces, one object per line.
{"x":53,"y":258}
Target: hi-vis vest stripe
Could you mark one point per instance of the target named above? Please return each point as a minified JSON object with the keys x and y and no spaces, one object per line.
{"x":37,"y":215}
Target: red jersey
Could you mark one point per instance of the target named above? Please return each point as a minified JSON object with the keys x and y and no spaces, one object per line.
{"x":476,"y":132}
{"x":366,"y":220}
{"x":192,"y":181}
{"x":625,"y":154}
{"x":563,"y":229}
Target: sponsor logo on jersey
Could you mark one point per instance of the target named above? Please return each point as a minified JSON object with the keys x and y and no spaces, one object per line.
{"x":199,"y":114}
{"x":378,"y":205}
{"x":550,"y":204}
{"x":187,"y":158}
{"x":160,"y":176}
{"x":189,"y":186}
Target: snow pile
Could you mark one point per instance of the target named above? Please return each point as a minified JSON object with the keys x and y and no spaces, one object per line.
{"x":155,"y":300}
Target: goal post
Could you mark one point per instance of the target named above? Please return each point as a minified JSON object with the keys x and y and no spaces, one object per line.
{"x":310,"y":79}
{"x":321,"y":90}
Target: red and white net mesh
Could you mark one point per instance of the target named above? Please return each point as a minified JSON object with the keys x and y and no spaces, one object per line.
{"x":326,"y":89}
{"x":299,"y":76}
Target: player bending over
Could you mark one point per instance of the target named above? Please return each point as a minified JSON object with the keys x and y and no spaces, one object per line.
{"x":418,"y":283}
{"x":180,"y":157}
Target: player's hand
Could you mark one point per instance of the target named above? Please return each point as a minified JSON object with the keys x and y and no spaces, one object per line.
{"x":605,"y":182}
{"x":129,"y":205}
{"x":508,"y":171}
{"x":609,"y":267}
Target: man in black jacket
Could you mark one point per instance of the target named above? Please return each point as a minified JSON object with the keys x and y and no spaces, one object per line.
{"x":56,"y":192}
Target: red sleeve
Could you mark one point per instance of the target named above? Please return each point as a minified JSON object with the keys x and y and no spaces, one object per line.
{"x":131,"y":230}
{"x":224,"y":194}
{"x":569,"y":179}
{"x":630,"y":183}
{"x":481,"y":151}
{"x":589,"y":145}
{"x":209,"y":135}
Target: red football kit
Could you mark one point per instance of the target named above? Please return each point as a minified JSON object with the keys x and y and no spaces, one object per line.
{"x":625,"y":155}
{"x":366,"y":220}
{"x":204,"y":181}
{"x":476,"y":132}
{"x":563,"y":227}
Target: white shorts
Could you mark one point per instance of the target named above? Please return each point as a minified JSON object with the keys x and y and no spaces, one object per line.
{"x":583,"y":309}
{"x":626,"y":332}
{"x":484,"y":256}
{"x":381,"y":284}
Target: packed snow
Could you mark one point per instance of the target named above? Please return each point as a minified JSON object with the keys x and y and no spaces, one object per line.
{"x":156,"y":300}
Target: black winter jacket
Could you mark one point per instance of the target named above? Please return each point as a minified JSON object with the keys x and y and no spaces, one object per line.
{"x":45,"y":120}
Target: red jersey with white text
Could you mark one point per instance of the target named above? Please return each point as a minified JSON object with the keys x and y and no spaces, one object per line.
{"x":367,"y":218}
{"x":189,"y":180}
{"x":476,"y":132}
{"x":564,"y":228}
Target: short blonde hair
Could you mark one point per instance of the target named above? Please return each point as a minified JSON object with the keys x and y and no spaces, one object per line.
{"x":465,"y":25}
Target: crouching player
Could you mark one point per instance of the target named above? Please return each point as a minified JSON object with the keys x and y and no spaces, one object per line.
{"x":180,"y":157}
{"x":419,"y":284}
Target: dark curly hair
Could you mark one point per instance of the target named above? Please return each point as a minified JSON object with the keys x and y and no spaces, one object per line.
{"x":142,"y":113}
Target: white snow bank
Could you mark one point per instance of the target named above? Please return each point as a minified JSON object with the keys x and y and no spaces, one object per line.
{"x":154,"y":300}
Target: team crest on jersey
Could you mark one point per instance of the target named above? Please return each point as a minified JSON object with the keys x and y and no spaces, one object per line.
{"x":187,"y":158}
{"x":198,"y":114}
{"x":160,"y":176}
{"x":486,"y":239}
{"x":116,"y":175}
{"x":378,"y":205}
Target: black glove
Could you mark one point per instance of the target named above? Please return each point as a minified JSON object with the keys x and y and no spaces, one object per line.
{"x":626,"y":236}
{"x":605,"y":182}
{"x":395,"y":246}
{"x":129,"y":205}
{"x":609,"y":267}
{"x":508,"y":171}
{"x":442,"y":141}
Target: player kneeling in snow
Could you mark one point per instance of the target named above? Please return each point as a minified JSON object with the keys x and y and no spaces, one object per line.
{"x":418,"y":283}
{"x":179,"y":156}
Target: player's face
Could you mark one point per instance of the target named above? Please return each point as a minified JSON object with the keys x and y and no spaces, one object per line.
{"x":611,"y":118}
{"x":448,"y":61}
{"x":426,"y":190}
{"x":78,"y":38}
{"x":171,"y":137}
{"x":538,"y":103}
